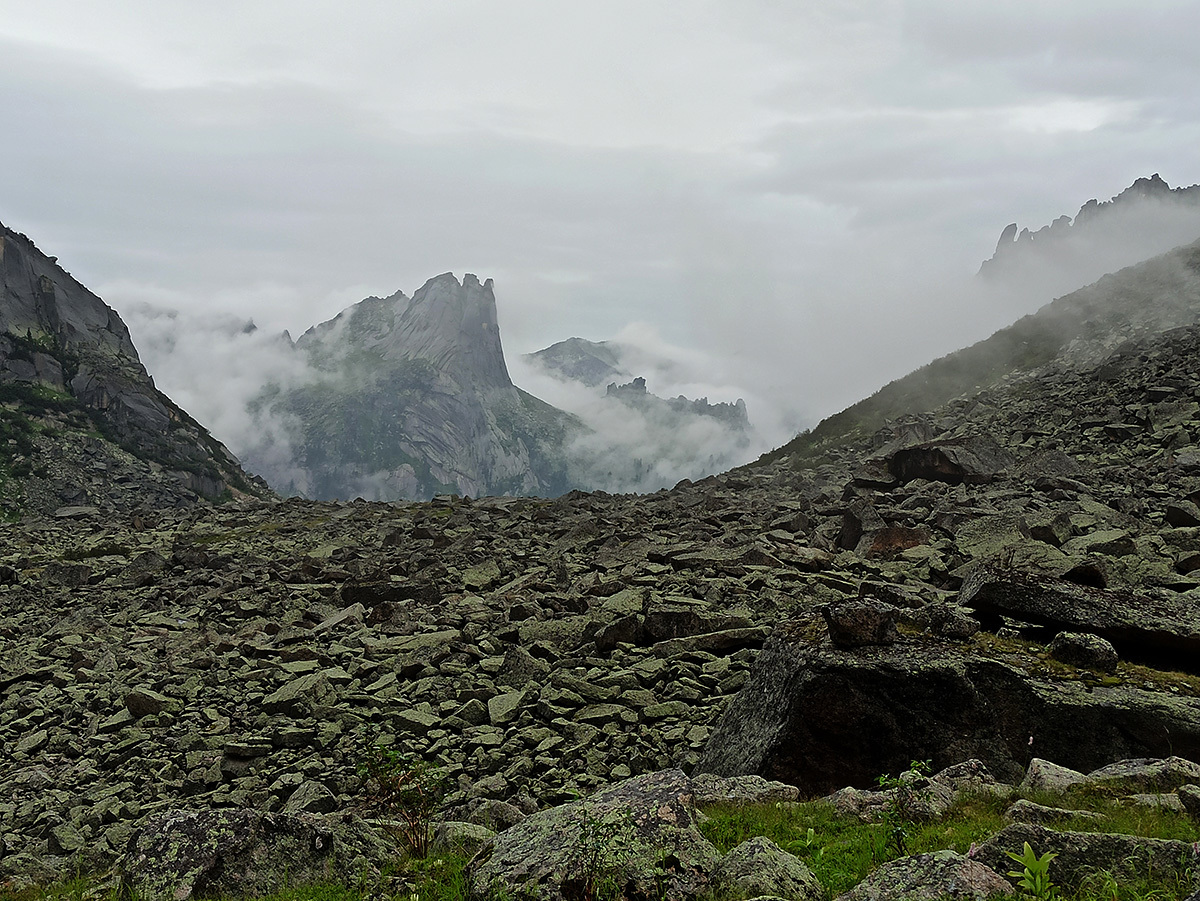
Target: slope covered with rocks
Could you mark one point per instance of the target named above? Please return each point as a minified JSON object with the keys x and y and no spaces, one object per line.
{"x":998,"y":577}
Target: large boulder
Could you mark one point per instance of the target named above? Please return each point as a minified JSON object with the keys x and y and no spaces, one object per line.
{"x":819,"y":718}
{"x":930,"y":877}
{"x":760,"y":867}
{"x":971,"y":460}
{"x":183,"y":854}
{"x":1141,"y":625}
{"x":1082,"y":853}
{"x":639,"y":835}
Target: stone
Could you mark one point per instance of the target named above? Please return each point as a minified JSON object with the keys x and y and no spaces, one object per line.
{"x":1147,"y":773}
{"x":972,"y":460}
{"x":862,"y":622}
{"x":311,"y":797}
{"x":1082,"y":853}
{"x":1084,"y":649}
{"x":820,"y":718}
{"x":1044,"y":775}
{"x":553,"y":854}
{"x":709,"y":788}
{"x":177,"y":855}
{"x":146,"y":702}
{"x":1189,"y":797}
{"x":1026,"y":811}
{"x":930,"y":877}
{"x":503,"y":709}
{"x":760,"y":867}
{"x":1137,"y":624}
{"x":452,"y":837}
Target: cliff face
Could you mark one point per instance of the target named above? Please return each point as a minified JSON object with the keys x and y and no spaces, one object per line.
{"x":79,"y":402}
{"x":409,"y":398}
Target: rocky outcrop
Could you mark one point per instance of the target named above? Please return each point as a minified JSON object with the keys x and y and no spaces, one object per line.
{"x":819,"y":718}
{"x":82,"y":423}
{"x":408,"y":398}
{"x":930,"y":877}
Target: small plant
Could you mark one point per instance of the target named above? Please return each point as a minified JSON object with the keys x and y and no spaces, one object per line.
{"x":1034,"y":878}
{"x":405,"y":790}
{"x":604,"y":844}
{"x":904,"y":808}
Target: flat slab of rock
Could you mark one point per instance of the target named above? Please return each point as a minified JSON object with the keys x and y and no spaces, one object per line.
{"x":709,"y":788}
{"x":1139,"y":624}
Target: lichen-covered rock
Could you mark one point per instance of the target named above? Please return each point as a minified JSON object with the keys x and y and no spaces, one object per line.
{"x":758,"y":867}
{"x":861,"y":622}
{"x":1045,"y":775}
{"x":1026,"y":811}
{"x":184,"y":854}
{"x":1081,"y":853}
{"x":1148,"y":774}
{"x":1084,"y":649}
{"x":930,"y":877}
{"x":640,"y":835}
{"x":709,"y":788}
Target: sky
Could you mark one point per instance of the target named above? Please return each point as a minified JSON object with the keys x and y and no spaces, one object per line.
{"x":792,"y":197}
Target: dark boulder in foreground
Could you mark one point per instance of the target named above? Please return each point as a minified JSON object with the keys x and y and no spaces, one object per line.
{"x":821,"y":718}
{"x":640,"y":835}
{"x":184,"y":854}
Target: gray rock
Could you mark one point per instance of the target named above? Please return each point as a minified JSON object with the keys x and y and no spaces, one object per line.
{"x":1189,"y":797}
{"x":618,"y":833}
{"x":1044,"y":775}
{"x":450,"y":836}
{"x":1083,"y":649}
{"x":178,"y":855}
{"x":311,"y":797}
{"x":709,"y":788}
{"x":1082,"y":853}
{"x":1148,"y":774}
{"x":1026,"y":811}
{"x":930,"y":877}
{"x":862,"y":622}
{"x":1139,"y":624}
{"x":759,"y":867}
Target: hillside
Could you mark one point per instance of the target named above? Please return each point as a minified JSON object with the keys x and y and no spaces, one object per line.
{"x":81,"y":423}
{"x":1008,"y":577}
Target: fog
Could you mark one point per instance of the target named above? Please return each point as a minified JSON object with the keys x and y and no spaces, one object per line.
{"x":790,"y":203}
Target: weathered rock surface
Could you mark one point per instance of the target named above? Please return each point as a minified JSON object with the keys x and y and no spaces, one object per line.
{"x":930,"y":877}
{"x":759,"y":867}
{"x":1082,"y":853}
{"x":82,"y":423}
{"x":178,"y":854}
{"x":819,"y":718}
{"x":641,"y":834}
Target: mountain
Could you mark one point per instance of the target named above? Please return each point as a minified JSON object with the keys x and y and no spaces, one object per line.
{"x":590,"y":363}
{"x":992,"y":565}
{"x":1147,"y":218}
{"x":408,"y":398}
{"x":1074,"y":330}
{"x":81,"y":421}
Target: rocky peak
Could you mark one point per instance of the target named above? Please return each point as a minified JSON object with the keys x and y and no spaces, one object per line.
{"x":68,"y":369}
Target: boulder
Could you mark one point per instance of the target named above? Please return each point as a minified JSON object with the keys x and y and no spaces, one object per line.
{"x":709,"y":788}
{"x":930,"y":877}
{"x":1084,"y":649}
{"x":861,"y":622}
{"x":1140,"y":625}
{"x":972,"y":460}
{"x":1147,"y":774}
{"x":1044,"y":775}
{"x":639,"y":835}
{"x":183,"y":854}
{"x":760,"y":867}
{"x":1026,"y":811}
{"x":1082,"y":853}
{"x":818,"y":718}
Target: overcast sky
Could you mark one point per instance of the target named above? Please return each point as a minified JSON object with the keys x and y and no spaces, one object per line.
{"x":793,"y":193}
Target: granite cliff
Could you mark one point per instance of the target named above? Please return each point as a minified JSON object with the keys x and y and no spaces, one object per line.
{"x":81,"y":419}
{"x":408,"y":398}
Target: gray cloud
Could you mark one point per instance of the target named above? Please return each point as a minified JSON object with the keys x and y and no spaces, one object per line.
{"x":800,"y":194}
